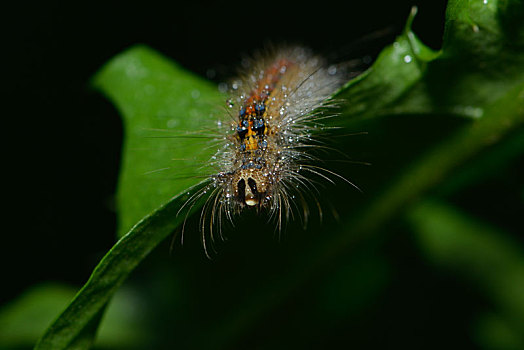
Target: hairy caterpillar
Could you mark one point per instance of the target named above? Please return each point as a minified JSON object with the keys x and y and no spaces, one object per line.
{"x":263,"y":163}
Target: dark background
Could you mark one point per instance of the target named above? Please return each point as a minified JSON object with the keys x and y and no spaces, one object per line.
{"x":62,"y":158}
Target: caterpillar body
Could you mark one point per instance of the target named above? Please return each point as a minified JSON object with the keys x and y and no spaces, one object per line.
{"x":264,"y":163}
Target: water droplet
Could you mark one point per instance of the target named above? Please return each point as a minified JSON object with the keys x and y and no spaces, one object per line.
{"x":171,"y":123}
{"x":408,"y":58}
{"x":471,"y":111}
{"x":195,"y":94}
{"x":222,"y":87}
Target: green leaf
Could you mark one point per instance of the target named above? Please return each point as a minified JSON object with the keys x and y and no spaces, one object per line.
{"x":488,"y":164}
{"x":72,"y":327}
{"x":164,"y":107}
{"x":482,"y":254}
{"x":492,"y":332}
{"x":24,"y":319}
{"x":479,"y":74}
{"x":396,"y":72}
{"x":481,"y":60}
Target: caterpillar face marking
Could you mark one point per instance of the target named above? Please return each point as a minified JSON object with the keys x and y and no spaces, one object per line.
{"x":275,"y":110}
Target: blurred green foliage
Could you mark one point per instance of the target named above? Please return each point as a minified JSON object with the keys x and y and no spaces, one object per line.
{"x":484,"y":255}
{"x":441,"y":125}
{"x":25,"y":319}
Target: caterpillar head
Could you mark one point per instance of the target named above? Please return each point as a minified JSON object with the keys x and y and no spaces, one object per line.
{"x":251,"y":187}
